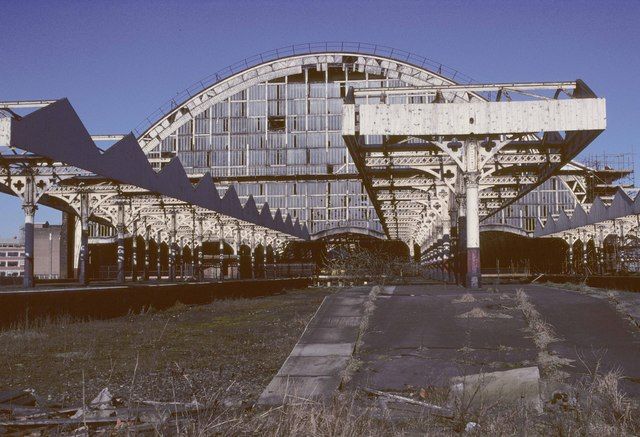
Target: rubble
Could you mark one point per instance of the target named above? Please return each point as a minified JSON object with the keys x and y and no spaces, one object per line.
{"x":23,"y":411}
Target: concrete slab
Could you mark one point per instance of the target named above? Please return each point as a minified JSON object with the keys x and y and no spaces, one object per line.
{"x":322,"y":349}
{"x":335,"y":334}
{"x":592,"y":333}
{"x":313,"y":365}
{"x":284,"y":388}
{"x":336,"y":322}
{"x":414,"y":339}
{"x":506,"y":387}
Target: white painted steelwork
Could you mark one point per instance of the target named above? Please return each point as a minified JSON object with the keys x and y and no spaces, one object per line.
{"x":482,"y":118}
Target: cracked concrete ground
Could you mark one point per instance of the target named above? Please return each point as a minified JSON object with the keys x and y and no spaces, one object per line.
{"x":416,"y":337}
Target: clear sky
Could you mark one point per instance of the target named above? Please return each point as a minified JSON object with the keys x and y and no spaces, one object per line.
{"x":118,"y":61}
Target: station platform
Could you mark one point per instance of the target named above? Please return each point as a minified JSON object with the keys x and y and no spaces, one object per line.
{"x":106,"y":300}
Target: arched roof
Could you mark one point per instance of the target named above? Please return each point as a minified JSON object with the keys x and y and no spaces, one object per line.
{"x":396,"y":64}
{"x":503,"y":227}
{"x":348,"y":230}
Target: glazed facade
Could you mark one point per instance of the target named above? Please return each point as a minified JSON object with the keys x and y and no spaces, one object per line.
{"x":289,"y":128}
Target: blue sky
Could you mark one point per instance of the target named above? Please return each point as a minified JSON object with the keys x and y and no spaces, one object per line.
{"x":118,"y":61}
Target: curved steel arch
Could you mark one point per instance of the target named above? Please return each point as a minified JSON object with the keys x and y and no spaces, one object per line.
{"x":348,"y":230}
{"x":179,"y":114}
{"x":293,"y":50}
{"x":501,"y":227}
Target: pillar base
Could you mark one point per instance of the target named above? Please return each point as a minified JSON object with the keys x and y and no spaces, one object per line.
{"x":473,"y":267}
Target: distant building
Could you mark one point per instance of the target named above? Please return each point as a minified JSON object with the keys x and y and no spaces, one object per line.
{"x":47,"y":250}
{"x":47,"y":253}
{"x":11,"y":257}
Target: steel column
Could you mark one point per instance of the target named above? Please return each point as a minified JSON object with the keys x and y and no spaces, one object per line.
{"x":84,"y":239}
{"x":134,"y":251}
{"x":200,"y":273}
{"x":172,"y":249}
{"x":221,"y":248}
{"x":159,"y":257}
{"x":145,"y":269}
{"x":238,"y":246}
{"x":120,"y":239}
{"x":253,"y":252}
{"x":29,"y":207}
{"x":570,"y":255}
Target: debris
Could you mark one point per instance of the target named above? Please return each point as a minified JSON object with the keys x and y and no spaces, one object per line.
{"x":102,"y":411}
{"x":537,"y":277}
{"x":100,"y":407}
{"x":470,"y":426}
{"x":433,"y":409}
{"x":103,"y":400}
{"x":17,"y":397}
{"x":509,"y":386}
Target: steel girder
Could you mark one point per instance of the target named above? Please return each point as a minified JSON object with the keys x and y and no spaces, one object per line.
{"x":54,"y":136}
{"x":513,"y":154}
{"x":146,"y":214}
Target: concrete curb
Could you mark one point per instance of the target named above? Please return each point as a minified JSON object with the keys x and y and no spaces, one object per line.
{"x":316,"y":365}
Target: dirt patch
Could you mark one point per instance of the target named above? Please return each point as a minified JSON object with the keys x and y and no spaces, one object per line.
{"x":180,"y":354}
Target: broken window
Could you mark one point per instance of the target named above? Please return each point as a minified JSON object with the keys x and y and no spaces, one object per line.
{"x":276,"y":124}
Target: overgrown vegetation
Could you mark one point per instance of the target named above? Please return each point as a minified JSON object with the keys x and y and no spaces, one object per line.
{"x":376,"y":265}
{"x":184,"y":353}
{"x":222,"y":356}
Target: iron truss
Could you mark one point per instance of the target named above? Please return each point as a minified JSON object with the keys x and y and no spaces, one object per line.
{"x":456,"y":153}
{"x":595,"y":222}
{"x":53,"y":161}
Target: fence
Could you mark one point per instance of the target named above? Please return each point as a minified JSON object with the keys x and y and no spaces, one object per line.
{"x":212,"y":272}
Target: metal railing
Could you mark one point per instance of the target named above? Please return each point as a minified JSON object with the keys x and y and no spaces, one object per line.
{"x":296,"y":50}
{"x":212,"y":272}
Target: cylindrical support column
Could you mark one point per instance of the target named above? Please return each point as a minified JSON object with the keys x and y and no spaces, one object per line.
{"x":200,"y":272}
{"x":600,"y":258}
{"x":461,"y":259}
{"x":473,"y":231}
{"x":253,"y":252}
{"x":221,"y":248}
{"x":145,"y":268}
{"x":585,"y":262}
{"x":194,"y":261}
{"x":159,"y":257}
{"x":120,"y":241}
{"x":238,"y":246}
{"x":134,"y":251}
{"x":570,"y":256}
{"x":29,"y":214}
{"x":621,"y":260}
{"x":84,"y":239}
{"x":446,"y":257}
{"x":265,"y":238}
{"x":172,"y":248}
{"x":183,"y":264}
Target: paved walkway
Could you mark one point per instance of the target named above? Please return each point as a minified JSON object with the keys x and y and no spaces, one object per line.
{"x":592,"y":333}
{"x":419,"y":337}
{"x":315,"y":367}
{"x":423,"y":335}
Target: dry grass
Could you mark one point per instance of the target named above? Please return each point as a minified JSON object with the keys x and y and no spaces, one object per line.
{"x":369,"y":306}
{"x":595,"y":406}
{"x":465,"y":298}
{"x":180,"y":354}
{"x":479,"y":313}
{"x":542,"y":334}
